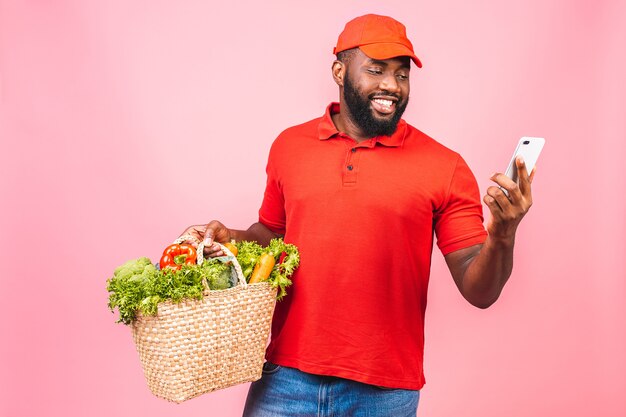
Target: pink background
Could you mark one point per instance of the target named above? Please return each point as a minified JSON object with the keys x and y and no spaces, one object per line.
{"x":122,"y":122}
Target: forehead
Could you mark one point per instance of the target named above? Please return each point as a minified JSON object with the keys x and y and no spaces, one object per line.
{"x":361,"y":59}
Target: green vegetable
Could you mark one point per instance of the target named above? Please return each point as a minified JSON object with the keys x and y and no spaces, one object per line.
{"x":138,"y":287}
{"x":285,"y":269}
{"x":250,"y":253}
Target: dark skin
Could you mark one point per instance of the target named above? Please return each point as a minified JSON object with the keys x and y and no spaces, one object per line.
{"x":385,"y":79}
{"x":480,"y":271}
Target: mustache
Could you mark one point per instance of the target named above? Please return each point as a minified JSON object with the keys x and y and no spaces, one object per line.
{"x":384,"y":94}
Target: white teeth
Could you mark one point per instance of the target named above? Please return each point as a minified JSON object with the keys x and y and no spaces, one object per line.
{"x":386,"y":103}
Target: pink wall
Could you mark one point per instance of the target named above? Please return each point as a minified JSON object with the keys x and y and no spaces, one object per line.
{"x":122,"y":122}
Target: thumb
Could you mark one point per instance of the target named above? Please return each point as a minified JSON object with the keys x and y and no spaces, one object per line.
{"x":214,"y":230}
{"x":209,"y":235}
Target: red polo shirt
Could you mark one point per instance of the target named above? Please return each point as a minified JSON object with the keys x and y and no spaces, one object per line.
{"x":363,"y":216}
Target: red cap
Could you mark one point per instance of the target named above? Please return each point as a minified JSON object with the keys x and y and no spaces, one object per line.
{"x":379,"y":37}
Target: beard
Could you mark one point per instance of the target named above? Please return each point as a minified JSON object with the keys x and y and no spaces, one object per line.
{"x":363,"y":114}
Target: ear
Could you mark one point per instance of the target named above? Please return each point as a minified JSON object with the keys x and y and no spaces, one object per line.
{"x":339,"y":70}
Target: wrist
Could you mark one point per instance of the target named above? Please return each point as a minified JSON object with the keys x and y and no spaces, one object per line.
{"x":502,"y":232}
{"x":502,"y":240}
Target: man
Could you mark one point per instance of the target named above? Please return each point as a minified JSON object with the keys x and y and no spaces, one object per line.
{"x":360,"y":192}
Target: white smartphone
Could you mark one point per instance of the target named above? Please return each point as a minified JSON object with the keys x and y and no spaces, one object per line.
{"x":529,"y":148}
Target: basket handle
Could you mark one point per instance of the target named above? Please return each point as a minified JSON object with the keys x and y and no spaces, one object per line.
{"x":228,"y":258}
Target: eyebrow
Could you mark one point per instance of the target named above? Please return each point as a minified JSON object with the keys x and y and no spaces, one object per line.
{"x":385,"y":64}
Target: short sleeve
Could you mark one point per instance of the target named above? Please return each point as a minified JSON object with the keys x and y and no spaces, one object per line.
{"x":459,"y":221}
{"x":272,"y":211}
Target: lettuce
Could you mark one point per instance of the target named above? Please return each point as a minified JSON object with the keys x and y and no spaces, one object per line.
{"x":250,"y":252}
{"x":137,"y":286}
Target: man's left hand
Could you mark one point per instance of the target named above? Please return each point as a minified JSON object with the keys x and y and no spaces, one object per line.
{"x":507,"y":212}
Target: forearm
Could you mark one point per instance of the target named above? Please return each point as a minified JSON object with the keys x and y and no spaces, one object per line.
{"x":488,"y":271}
{"x":480,"y":271}
{"x":258,"y":232}
{"x":215,"y":232}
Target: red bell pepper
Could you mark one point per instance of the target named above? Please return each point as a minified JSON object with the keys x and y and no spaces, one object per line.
{"x":174,"y":256}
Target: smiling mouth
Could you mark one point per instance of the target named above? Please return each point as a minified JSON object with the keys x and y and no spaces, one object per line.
{"x":383,"y":105}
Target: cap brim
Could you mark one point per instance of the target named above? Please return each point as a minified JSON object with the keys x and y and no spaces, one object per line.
{"x":389,"y":50}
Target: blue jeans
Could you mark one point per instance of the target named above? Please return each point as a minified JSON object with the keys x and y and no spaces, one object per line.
{"x":284,"y":391}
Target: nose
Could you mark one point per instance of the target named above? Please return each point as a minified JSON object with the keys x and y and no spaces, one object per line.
{"x":389,"y":83}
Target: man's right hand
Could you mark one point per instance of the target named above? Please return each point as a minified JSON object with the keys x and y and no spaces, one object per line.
{"x":217,"y":232}
{"x":210,"y":233}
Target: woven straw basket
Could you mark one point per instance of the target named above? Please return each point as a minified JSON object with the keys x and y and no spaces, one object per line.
{"x":199,"y":346}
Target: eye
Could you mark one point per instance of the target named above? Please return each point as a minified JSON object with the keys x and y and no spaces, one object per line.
{"x":402,"y":77}
{"x":376,"y":71}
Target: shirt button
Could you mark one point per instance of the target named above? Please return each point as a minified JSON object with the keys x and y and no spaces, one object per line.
{"x":349,"y":167}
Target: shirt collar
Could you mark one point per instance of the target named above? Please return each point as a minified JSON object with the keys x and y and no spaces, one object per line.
{"x":327,"y":129}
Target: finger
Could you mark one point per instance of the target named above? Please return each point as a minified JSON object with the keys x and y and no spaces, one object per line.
{"x":196,"y":232}
{"x":532,"y":174}
{"x":210,"y":249}
{"x":511,"y":187}
{"x":501,"y":199}
{"x":209,"y":235}
{"x":217,"y":232}
{"x":492,"y":204}
{"x":524,"y":178}
{"x":521,"y":167}
{"x":503,"y":181}
{"x":213,"y":254}
{"x":213,"y":250}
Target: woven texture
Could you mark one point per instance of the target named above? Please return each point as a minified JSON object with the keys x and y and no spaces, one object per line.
{"x":199,"y":346}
